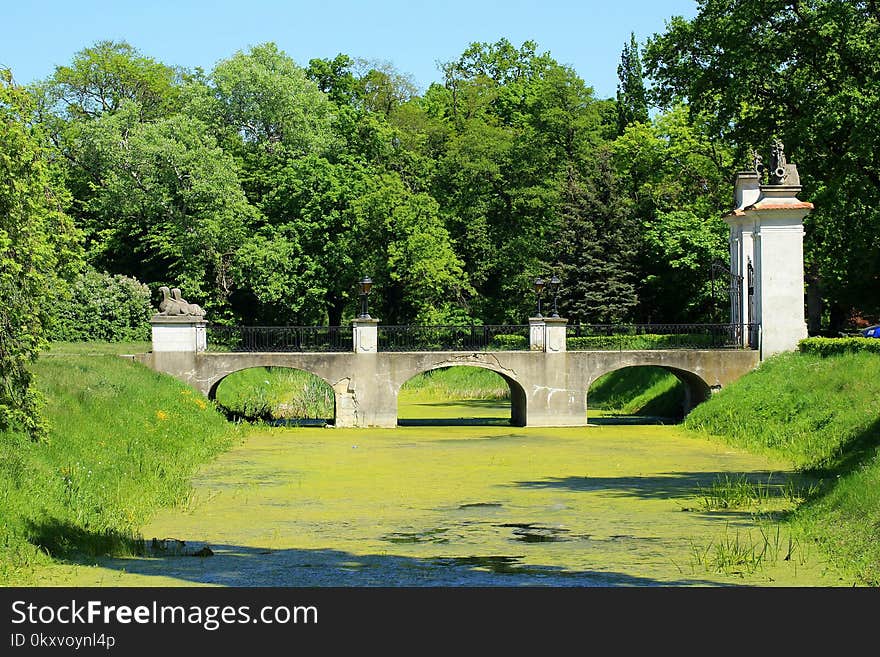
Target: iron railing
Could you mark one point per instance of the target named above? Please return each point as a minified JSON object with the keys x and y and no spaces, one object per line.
{"x":501,"y":337}
{"x":625,"y":337}
{"x":279,"y":338}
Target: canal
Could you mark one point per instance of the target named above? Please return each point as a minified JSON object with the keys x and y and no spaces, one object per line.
{"x":474,"y":502}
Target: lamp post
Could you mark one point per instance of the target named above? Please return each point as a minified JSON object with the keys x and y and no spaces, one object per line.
{"x":365,"y":285}
{"x":539,"y":290}
{"x":554,"y":290}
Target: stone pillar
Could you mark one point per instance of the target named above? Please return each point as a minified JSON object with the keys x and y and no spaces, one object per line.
{"x":180,"y":333}
{"x":554,"y":334}
{"x":365,"y":335}
{"x":537,"y":332}
{"x":766,"y":229}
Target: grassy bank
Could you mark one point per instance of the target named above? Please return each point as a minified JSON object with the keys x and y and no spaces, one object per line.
{"x":638,"y":391}
{"x":265,"y":393}
{"x":452,"y":383}
{"x":124,"y":441}
{"x":823,"y":416}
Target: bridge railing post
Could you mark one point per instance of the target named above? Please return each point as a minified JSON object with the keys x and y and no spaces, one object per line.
{"x":537,"y":333}
{"x":183,"y":333}
{"x":365,"y":335}
{"x":555,"y":329}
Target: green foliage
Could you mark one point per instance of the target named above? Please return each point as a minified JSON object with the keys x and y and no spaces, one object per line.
{"x":38,"y":247}
{"x":632,"y":98}
{"x":596,"y":246}
{"x":677,"y":178}
{"x":125,"y":441}
{"x":167,"y":205}
{"x":807,"y":73}
{"x":102,"y":77}
{"x":263,"y":98}
{"x":101,"y":306}
{"x":623,"y":342}
{"x":838,"y":346}
{"x":508,"y":342}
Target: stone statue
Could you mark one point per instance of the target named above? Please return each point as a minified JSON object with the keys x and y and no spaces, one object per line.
{"x":758,"y":162}
{"x":174,"y":305}
{"x":191,"y":308}
{"x":778,"y":169}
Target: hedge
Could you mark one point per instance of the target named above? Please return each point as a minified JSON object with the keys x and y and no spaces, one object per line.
{"x":645,"y":341}
{"x":837,"y":346}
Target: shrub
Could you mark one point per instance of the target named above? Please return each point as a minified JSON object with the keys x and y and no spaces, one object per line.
{"x":838,"y":346}
{"x":509,"y":342}
{"x":645,"y":341}
{"x":103,"y":306}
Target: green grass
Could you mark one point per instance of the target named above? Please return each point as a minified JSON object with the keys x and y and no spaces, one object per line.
{"x":744,"y":553}
{"x":810,"y":410}
{"x":265,"y":393}
{"x":823,"y":416}
{"x":741,"y":492}
{"x":638,"y":391}
{"x":452,"y":383}
{"x":123,"y":442}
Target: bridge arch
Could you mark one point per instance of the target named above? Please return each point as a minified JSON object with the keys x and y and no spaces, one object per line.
{"x":323,"y":398}
{"x":518,"y":396}
{"x":696,"y":389}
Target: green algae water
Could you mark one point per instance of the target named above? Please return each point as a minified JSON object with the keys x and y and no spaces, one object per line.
{"x":484,"y":504}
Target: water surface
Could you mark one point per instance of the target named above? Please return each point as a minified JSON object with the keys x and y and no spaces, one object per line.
{"x":457,"y":505}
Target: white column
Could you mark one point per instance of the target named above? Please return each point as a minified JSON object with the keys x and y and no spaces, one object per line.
{"x":780,"y":281}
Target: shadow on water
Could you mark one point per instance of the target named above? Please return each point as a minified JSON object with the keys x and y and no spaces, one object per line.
{"x":454,"y":422}
{"x":629,"y":420}
{"x":667,"y":485}
{"x":472,"y":413}
{"x":248,"y":566}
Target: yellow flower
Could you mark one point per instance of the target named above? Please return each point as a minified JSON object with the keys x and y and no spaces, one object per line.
{"x":161,"y":415}
{"x":201,"y":403}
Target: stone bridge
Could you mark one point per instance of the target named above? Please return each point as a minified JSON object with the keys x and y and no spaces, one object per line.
{"x":547,"y":389}
{"x":548,"y":383}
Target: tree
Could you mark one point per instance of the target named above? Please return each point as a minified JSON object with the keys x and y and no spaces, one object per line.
{"x":104,"y":76}
{"x":38,"y":246}
{"x":677,"y":178}
{"x":517,"y":122}
{"x":632,"y":98}
{"x":266,"y":99}
{"x":596,"y":248}
{"x":166,"y":203}
{"x":807,"y":72}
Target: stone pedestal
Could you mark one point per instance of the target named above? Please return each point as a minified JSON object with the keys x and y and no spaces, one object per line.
{"x":183,"y":333}
{"x":767,"y":231}
{"x":554,"y":334}
{"x":547,"y":334}
{"x":365,"y":335}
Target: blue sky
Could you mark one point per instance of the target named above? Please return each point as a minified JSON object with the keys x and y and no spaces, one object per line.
{"x":414,"y":35}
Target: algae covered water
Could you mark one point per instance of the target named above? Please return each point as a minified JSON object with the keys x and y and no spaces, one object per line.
{"x":478,"y":505}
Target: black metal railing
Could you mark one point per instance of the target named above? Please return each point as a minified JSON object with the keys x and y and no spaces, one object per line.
{"x":501,"y":337}
{"x":279,"y":338}
{"x":625,"y":337}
